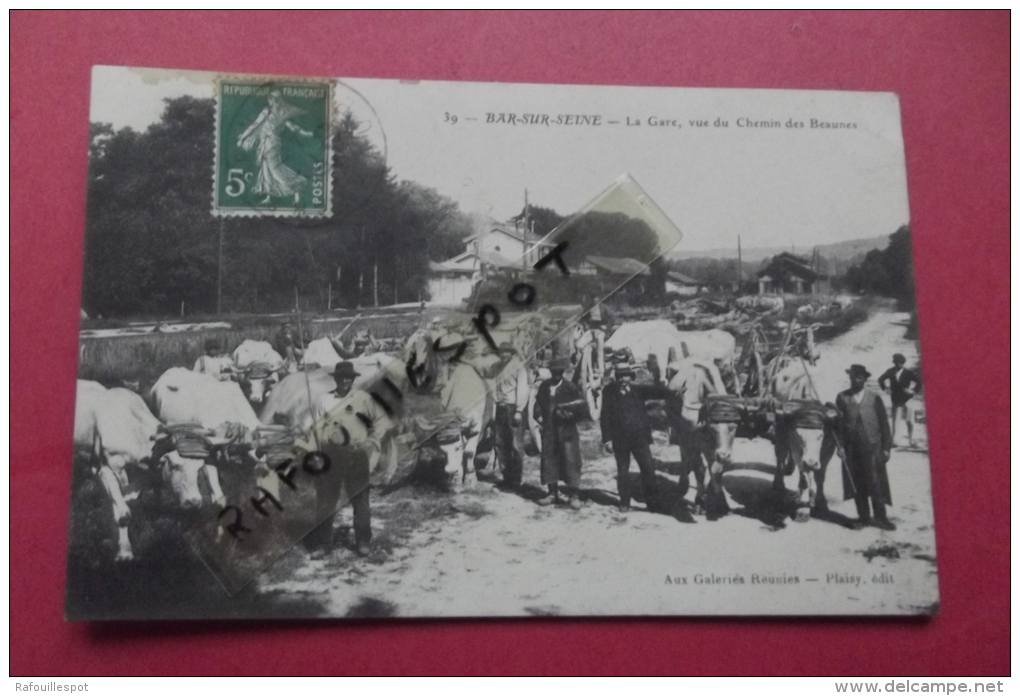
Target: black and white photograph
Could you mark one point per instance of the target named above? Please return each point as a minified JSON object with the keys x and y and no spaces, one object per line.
{"x":508,"y":350}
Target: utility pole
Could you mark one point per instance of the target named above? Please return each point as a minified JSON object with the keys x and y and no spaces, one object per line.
{"x":339,"y":281}
{"x":375,"y":283}
{"x":361,"y":269}
{"x":524,"y":235}
{"x":814,"y":267}
{"x":219,"y":272}
{"x":740,"y":266}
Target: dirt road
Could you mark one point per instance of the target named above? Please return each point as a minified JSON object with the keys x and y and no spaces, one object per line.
{"x":485,"y":552}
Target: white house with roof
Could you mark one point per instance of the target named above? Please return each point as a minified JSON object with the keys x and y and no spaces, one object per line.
{"x":500,"y":245}
{"x":682,"y":284}
{"x":509,"y":241}
{"x":503,"y":246}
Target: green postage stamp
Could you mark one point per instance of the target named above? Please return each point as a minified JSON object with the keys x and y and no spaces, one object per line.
{"x":273,"y":148}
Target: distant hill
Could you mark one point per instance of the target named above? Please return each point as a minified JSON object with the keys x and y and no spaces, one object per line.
{"x":844,"y":253}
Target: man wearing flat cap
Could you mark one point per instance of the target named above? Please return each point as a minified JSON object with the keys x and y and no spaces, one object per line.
{"x":353,"y":446}
{"x":559,"y":405}
{"x":626,"y":432}
{"x":901,"y":384}
{"x":867,"y":441}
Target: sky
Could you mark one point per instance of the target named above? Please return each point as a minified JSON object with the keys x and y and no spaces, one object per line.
{"x":759,"y":177}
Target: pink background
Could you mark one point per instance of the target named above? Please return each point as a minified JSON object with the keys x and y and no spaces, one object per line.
{"x":952,"y":74}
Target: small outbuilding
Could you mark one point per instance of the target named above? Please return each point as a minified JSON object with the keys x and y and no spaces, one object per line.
{"x":786,"y":273}
{"x":681,"y":284}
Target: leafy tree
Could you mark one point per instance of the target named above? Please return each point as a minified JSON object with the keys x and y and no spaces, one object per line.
{"x":544,"y":220}
{"x":889,"y":272}
{"x":710,"y":271}
{"x":149,"y":238}
{"x":898,"y":262}
{"x":601,"y":234}
{"x":152,"y":243}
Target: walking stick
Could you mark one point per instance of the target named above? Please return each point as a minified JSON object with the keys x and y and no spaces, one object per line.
{"x":340,"y":335}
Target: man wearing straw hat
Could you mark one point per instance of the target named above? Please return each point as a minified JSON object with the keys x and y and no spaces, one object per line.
{"x":867,"y":441}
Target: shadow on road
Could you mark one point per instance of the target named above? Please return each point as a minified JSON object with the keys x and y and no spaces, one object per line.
{"x":762,"y":502}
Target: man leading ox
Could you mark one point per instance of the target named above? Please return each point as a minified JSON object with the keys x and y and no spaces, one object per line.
{"x":867,"y":442}
{"x":626,"y":432}
{"x":353,"y":461}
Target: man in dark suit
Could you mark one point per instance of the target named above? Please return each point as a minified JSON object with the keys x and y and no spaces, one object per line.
{"x":901,"y":384}
{"x":627,"y":431}
{"x":867,"y":441}
{"x":559,"y":405}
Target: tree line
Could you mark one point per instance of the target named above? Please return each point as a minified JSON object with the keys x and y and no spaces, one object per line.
{"x":607,"y":234}
{"x":888,"y":272}
{"x":152,"y":245}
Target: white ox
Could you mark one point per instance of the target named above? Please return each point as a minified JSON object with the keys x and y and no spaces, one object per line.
{"x":321,"y":353}
{"x":464,"y":392}
{"x":467,"y":396}
{"x":116,"y":430}
{"x":805,"y":437}
{"x":258,"y":365}
{"x":766,"y":304}
{"x":706,"y":449}
{"x":290,"y":403}
{"x":844,"y":302}
{"x":660,"y":338}
{"x":465,"y":367}
{"x":183,"y":397}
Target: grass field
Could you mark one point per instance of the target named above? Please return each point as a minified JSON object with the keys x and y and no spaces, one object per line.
{"x":142,"y":358}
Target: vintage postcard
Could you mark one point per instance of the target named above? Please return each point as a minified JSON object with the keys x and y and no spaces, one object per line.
{"x":368,"y":348}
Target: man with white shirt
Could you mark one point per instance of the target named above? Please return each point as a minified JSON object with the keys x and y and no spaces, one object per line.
{"x":902,"y":384}
{"x":867,"y":441}
{"x":214,"y":362}
{"x":512,"y":394}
